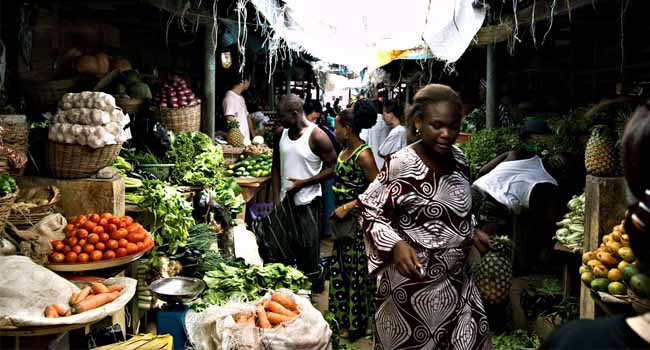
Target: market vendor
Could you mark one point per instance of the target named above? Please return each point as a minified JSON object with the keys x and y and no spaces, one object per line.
{"x":234,"y":105}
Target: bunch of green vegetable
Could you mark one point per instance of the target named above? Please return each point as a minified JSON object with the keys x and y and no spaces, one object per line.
{"x":474,"y":120}
{"x":487,"y":144}
{"x":198,"y":160}
{"x":7,"y":185}
{"x":168,"y":215}
{"x":248,"y":283}
{"x":255,"y":166}
{"x":571,"y":233}
{"x":515,"y":340}
{"x":227,"y":192}
{"x":140,"y":157}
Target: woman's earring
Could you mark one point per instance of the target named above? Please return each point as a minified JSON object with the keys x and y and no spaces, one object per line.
{"x":418,"y":133}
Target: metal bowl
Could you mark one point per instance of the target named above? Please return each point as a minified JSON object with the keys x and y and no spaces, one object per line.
{"x":177,"y":289}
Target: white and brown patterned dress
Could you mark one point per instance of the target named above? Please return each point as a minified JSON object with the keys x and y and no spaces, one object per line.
{"x":432,"y":212}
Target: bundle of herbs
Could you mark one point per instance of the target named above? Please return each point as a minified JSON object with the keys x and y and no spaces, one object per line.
{"x":198,"y":160}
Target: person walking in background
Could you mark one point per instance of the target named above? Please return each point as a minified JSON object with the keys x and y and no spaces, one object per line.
{"x":337,"y":107}
{"x":303,"y":157}
{"x":376,"y":135}
{"x":234,"y":106}
{"x":417,"y":219}
{"x":396,"y":139}
{"x":351,"y":290}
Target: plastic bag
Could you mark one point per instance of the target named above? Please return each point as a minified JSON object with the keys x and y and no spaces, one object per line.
{"x":215,"y":328}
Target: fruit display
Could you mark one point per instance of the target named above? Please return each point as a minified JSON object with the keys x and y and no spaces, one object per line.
{"x":99,"y":237}
{"x":175,"y":93}
{"x":602,"y":155}
{"x":90,"y":297}
{"x":251,"y":166}
{"x":612,"y":266}
{"x":235,"y":138}
{"x":571,"y":233}
{"x":494,"y":272}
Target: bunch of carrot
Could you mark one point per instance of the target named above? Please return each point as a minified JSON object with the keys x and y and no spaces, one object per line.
{"x":281,"y":308}
{"x":89,"y":297}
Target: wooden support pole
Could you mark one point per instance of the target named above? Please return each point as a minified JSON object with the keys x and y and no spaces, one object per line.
{"x":491,"y":91}
{"x":209,"y":79}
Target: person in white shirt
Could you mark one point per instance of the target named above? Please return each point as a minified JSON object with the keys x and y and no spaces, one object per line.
{"x":376,"y":135}
{"x":234,"y":106}
{"x":396,"y":139}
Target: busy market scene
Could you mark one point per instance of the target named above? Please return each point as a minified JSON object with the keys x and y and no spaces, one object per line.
{"x":324,"y":175}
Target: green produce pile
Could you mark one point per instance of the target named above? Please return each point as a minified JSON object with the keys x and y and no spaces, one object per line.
{"x":571,"y":233}
{"x":248,"y":283}
{"x":198,"y":161}
{"x":123,"y":167}
{"x":487,"y":144}
{"x":129,"y":84}
{"x":228,"y":193}
{"x":252,"y":166}
{"x":515,"y":340}
{"x":168,"y":215}
{"x":140,"y":157}
{"x":7,"y":185}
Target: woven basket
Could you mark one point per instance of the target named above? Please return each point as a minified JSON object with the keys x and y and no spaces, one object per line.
{"x":129,"y":105}
{"x":23,"y":215}
{"x":75,"y":161}
{"x":231,"y":154}
{"x":42,"y":94}
{"x":639,"y":304}
{"x":180,"y":119}
{"x":5,"y":208}
{"x":17,"y":133}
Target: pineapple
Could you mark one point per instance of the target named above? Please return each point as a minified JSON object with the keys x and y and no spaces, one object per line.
{"x":493,"y":274}
{"x":235,"y":137}
{"x":602,"y":156}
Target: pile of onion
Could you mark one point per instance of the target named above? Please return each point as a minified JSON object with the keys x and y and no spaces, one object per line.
{"x":175,"y":94}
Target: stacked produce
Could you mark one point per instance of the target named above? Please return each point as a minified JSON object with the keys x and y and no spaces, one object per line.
{"x":89,"y":297}
{"x":571,"y":233}
{"x":257,"y":147}
{"x":270,"y":313}
{"x":100,"y":237}
{"x":255,"y":166}
{"x":613,"y":267}
{"x":197,"y":159}
{"x":175,"y":93}
{"x":89,"y":119}
{"x":602,"y":155}
{"x":130,"y":86}
{"x":235,"y":137}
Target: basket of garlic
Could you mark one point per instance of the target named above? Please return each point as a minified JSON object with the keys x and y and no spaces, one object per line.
{"x":85,"y":135}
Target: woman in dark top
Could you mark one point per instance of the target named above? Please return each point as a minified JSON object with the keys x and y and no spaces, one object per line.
{"x":621,"y":332}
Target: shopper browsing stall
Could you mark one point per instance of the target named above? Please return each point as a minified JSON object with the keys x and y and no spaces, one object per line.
{"x":234,"y":106}
{"x":418,"y":225}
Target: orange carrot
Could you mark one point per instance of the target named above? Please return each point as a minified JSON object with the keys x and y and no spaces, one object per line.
{"x":68,"y":313}
{"x":99,"y":288}
{"x":278,"y":309}
{"x":85,"y":291}
{"x":284,"y":301}
{"x":95,"y":301}
{"x":262,"y":320}
{"x":276,"y":319}
{"x":59,"y":309}
{"x":114,"y":287}
{"x":73,"y":298}
{"x":50,"y":312}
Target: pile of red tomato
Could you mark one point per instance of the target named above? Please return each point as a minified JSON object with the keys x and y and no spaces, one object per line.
{"x":100,"y":237}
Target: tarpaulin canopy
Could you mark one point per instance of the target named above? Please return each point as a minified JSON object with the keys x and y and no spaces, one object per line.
{"x":369,"y":33}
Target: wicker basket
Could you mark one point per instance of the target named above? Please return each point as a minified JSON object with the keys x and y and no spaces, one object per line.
{"x":231,"y":154}
{"x":43,"y":94}
{"x":180,"y":119}
{"x":639,"y":304}
{"x":17,"y":133}
{"x":129,"y":105}
{"x":75,"y":161}
{"x":24,"y":215}
{"x":5,"y":208}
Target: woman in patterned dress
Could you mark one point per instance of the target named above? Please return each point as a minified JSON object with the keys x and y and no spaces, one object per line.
{"x":351,"y":291}
{"x":418,"y":227}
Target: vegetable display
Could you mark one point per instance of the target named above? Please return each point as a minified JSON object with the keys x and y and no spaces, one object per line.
{"x":99,"y":237}
{"x":487,"y":144}
{"x":175,"y":94}
{"x":7,"y":185}
{"x":89,"y":297}
{"x":198,"y":160}
{"x":201,"y":253}
{"x":255,"y":166}
{"x":571,"y":231}
{"x":517,"y":339}
{"x":281,"y":308}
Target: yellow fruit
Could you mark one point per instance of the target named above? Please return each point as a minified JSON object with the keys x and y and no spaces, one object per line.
{"x":588,"y":256}
{"x":616,"y":235}
{"x":607,"y":238}
{"x":583,"y":269}
{"x":622,"y":265}
{"x":614,"y":245}
{"x":617,"y":288}
{"x":587,"y":277}
{"x":600,"y":271}
{"x":594,"y":263}
{"x":614,"y":275}
{"x":607,"y":259}
{"x":626,"y":254}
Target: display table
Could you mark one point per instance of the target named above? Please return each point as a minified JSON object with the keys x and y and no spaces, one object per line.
{"x":250,"y":187}
{"x":40,"y":337}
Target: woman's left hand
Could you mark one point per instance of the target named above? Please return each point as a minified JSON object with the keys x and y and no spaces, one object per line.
{"x":482,"y":241}
{"x":341,"y":212}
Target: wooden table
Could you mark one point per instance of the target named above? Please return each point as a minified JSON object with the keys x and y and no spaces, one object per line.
{"x":250,"y":187}
{"x":44,"y":333}
{"x":567,"y":268}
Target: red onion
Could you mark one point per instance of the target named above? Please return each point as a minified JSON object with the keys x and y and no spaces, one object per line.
{"x":174,"y":105}
{"x":163,"y":105}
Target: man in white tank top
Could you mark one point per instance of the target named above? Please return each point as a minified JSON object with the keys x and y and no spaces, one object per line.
{"x":303,"y":157}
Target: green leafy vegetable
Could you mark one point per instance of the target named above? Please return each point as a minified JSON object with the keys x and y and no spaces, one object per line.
{"x":199,"y":161}
{"x":7,"y":185}
{"x":487,"y":144}
{"x":227,"y":192}
{"x":140,"y":157}
{"x":515,"y":340}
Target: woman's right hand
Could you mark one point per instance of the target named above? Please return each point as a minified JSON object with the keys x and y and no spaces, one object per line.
{"x":406,"y":260}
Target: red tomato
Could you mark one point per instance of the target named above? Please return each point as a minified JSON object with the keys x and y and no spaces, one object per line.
{"x":114,"y":220}
{"x":111,"y":228}
{"x":112,"y":244}
{"x":103,"y":222}
{"x":71,"y":241}
{"x":69,"y":227}
{"x":122,"y":225}
{"x":81,"y":220}
{"x":93,"y":238}
{"x":89,"y":248}
{"x":77,"y":249}
{"x":95,"y":218}
{"x":120,"y":252}
{"x":98,"y":229}
{"x":74,"y":219}
{"x":71,"y":257}
{"x":107,"y":216}
{"x":81,"y":233}
{"x":131,"y":248}
{"x":109,"y":254}
{"x":148,"y":242}
{"x":100,"y":246}
{"x":133,"y":228}
{"x":90,"y":226}
{"x":71,"y":233}
{"x":115,"y":235}
{"x":132,"y":237}
{"x":83,"y":258}
{"x":81,"y":242}
{"x":58,"y":258}
{"x":57,"y":245}
{"x":103,"y":237}
{"x":122,"y":232}
{"x":123,"y":243}
{"x":66,"y":249}
{"x":128,"y":220}
{"x":141,"y":246}
{"x":96,"y":255}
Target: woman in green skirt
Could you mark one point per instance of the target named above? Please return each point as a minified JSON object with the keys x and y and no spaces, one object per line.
{"x":351,"y":292}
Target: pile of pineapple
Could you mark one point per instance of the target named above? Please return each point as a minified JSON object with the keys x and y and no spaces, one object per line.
{"x":603,"y":154}
{"x":613,"y":264}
